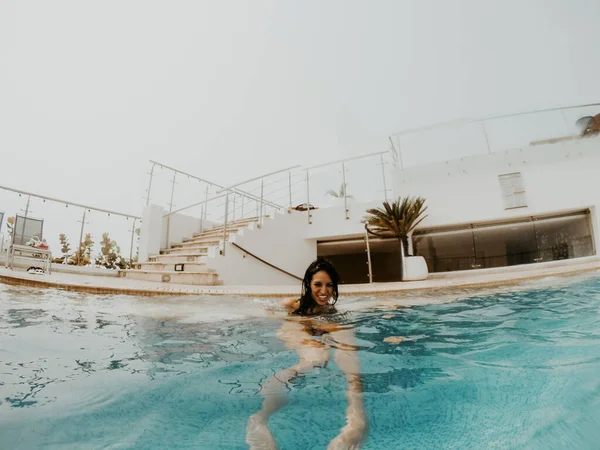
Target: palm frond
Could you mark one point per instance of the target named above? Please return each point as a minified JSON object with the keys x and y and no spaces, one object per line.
{"x":398,"y":218}
{"x":341,"y":193}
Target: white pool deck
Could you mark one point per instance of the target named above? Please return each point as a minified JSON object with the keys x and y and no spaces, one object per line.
{"x":473,"y":278}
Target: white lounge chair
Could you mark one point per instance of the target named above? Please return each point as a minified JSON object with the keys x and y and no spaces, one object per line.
{"x":24,"y":231}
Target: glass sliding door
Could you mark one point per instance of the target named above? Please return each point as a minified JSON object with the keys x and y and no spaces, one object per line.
{"x":505,"y":245}
{"x":446,"y":251}
{"x":520,"y":241}
{"x":564,"y":237}
{"x":385,"y":259}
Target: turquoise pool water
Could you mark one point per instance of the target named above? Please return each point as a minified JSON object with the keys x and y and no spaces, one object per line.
{"x":515,"y":368}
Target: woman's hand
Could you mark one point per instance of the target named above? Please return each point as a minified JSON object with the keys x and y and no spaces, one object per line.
{"x":290,"y":303}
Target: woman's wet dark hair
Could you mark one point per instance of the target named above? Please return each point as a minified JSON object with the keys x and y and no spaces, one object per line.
{"x":307,"y":303}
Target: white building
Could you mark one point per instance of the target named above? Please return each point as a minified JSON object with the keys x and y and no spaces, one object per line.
{"x":536,"y":202}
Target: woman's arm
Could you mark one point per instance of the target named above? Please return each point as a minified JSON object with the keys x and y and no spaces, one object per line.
{"x":290,"y":303}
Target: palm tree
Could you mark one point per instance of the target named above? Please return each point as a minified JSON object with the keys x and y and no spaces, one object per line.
{"x":341,"y":194}
{"x":397,"y":219}
{"x":589,"y":125}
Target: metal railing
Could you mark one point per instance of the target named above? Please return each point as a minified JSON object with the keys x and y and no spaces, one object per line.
{"x":282,"y":190}
{"x":465,"y":137}
{"x":358,"y":180}
{"x":60,"y":217}
{"x":256,"y":197}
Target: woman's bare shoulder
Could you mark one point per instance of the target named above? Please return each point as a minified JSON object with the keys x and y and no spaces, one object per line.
{"x":290,"y":303}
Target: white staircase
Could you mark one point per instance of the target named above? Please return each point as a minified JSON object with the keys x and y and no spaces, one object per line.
{"x":184,"y":263}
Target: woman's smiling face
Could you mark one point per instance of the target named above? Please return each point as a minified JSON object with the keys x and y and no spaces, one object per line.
{"x":321,"y":288}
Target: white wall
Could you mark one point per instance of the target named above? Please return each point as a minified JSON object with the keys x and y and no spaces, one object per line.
{"x":154,"y":229}
{"x":286,"y":241}
{"x":332,"y":222}
{"x":179,"y":226}
{"x":280,"y":242}
{"x":557,"y":177}
{"x":150,"y":232}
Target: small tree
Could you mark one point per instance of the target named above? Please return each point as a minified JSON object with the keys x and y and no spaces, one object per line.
{"x":83,"y":256}
{"x":65,"y":249}
{"x":10,"y":226}
{"x":589,"y":125}
{"x":110,"y":254}
{"x":398,"y":219}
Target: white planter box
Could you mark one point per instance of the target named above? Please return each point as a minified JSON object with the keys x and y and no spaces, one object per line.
{"x":415,"y":268}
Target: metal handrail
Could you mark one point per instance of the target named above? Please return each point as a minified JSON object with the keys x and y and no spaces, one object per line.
{"x":261,"y":198}
{"x":251,"y":197}
{"x":266,"y":262}
{"x":185,"y":173}
{"x":219,"y":186}
{"x":235,"y":191}
{"x":257,"y":178}
{"x":352,"y":158}
{"x":66,"y":202}
{"x":216,"y":197}
{"x":485,"y":119}
{"x":85,"y":208}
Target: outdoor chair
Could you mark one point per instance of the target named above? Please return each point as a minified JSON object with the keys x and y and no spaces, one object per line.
{"x":25,"y":231}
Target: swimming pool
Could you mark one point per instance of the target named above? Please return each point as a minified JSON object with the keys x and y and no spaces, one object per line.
{"x":509,"y":368}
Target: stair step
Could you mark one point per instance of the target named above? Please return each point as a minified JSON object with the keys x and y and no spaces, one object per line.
{"x":212,"y":234}
{"x":191,"y":253}
{"x":169,"y":276}
{"x":247,"y":220}
{"x":192,"y":250}
{"x":170,"y":266}
{"x":210,"y":241}
{"x":177,"y":259}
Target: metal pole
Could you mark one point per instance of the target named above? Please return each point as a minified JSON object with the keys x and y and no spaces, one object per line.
{"x":225,"y":222}
{"x":27,"y":205}
{"x":290,"y":191}
{"x":81,"y":237}
{"x":383,"y":178}
{"x":368,"y":255}
{"x":308,"y":199}
{"x":131,"y":247}
{"x":172,"y":191}
{"x":150,"y":184}
{"x":234,"y":206}
{"x":168,"y":230}
{"x":262,"y":187}
{"x":206,"y":202}
{"x":399,"y":152}
{"x":487,"y":142}
{"x":202,"y":220}
{"x":243,"y":198}
{"x":344,"y":186}
{"x":537,"y":246}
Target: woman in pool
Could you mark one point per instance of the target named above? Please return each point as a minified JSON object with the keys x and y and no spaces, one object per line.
{"x":307,"y":331}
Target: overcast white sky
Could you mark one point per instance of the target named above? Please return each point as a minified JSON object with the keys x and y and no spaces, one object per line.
{"x":89,"y":91}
